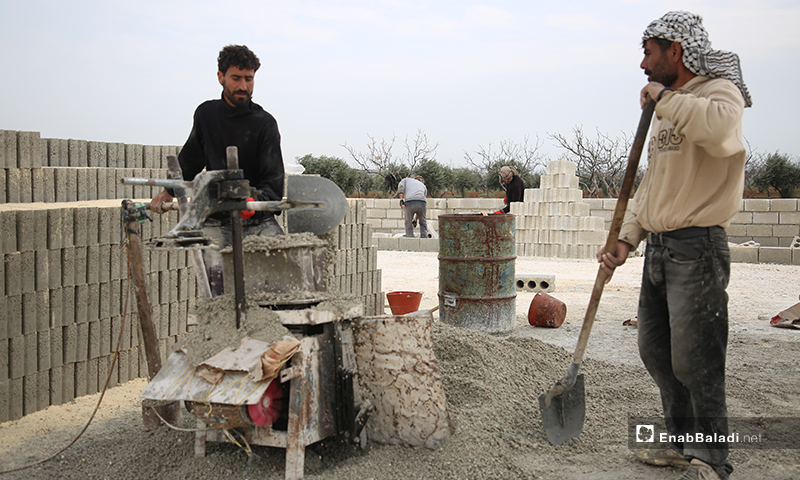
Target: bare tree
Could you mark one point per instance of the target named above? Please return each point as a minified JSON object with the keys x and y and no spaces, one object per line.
{"x":378,"y":159}
{"x":525,"y":157}
{"x":378,"y":155}
{"x":601,"y":162}
{"x":421,"y":149}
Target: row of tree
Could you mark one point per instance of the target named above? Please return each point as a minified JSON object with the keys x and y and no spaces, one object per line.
{"x":601,"y":162}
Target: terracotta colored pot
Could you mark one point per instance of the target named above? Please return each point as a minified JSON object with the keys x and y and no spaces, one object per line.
{"x":402,"y":302}
{"x":546,"y":311}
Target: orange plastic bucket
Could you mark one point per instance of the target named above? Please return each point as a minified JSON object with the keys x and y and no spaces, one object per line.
{"x":402,"y":302}
{"x":546,"y":311}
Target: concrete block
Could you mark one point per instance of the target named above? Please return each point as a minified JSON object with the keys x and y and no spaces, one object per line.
{"x":70,"y":177}
{"x":43,"y":351}
{"x":115,"y":155}
{"x":93,"y":309}
{"x":756,"y":205}
{"x":30,"y":390}
{"x":15,"y":398}
{"x":95,"y":339}
{"x":81,"y":304}
{"x":14,"y":186}
{"x":151,"y":156}
{"x":93,"y":265}
{"x":767,"y":241}
{"x":759,"y":230}
{"x":765,"y":218}
{"x":16,"y":357}
{"x":68,"y":305}
{"x":735,"y":230}
{"x":777,"y":255}
{"x":13,"y":305}
{"x":795,"y":256}
{"x":68,"y":382}
{"x":560,"y":166}
{"x":27,"y":271}
{"x":783,"y":205}
{"x":29,"y":319}
{"x":8,"y":149}
{"x":78,"y":153}
{"x":789,"y":218}
{"x":56,"y":385}
{"x":42,"y":307}
{"x":83,"y":184}
{"x":3,"y":185}
{"x":56,"y":346}
{"x":92,"y":226}
{"x":80,"y":265}
{"x":133,"y":156}
{"x":82,"y":342}
{"x":25,"y":228}
{"x":31,"y":354}
{"x":29,"y":152}
{"x":8,"y":225}
{"x":81,"y":378}
{"x":97,"y":154}
{"x":37,"y":185}
{"x":13,"y":273}
{"x":47,"y":185}
{"x":57,"y":152}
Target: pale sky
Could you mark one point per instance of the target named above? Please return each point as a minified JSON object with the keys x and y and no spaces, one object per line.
{"x":333,"y":72}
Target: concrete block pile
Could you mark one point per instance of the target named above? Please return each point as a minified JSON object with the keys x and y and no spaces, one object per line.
{"x":64,"y":303}
{"x":34,"y":169}
{"x":764,"y":231}
{"x":354,"y":266}
{"x":553,"y":220}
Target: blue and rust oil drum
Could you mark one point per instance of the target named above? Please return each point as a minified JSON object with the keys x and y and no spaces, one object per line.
{"x":476,"y":271}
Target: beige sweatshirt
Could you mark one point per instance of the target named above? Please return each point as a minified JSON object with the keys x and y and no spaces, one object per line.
{"x":695,"y":172}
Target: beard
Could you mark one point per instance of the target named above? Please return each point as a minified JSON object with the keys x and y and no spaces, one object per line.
{"x":662,"y":73}
{"x":234,"y":98}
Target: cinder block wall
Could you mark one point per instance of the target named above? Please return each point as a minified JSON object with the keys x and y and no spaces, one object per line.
{"x":773,"y":223}
{"x":63,"y":277}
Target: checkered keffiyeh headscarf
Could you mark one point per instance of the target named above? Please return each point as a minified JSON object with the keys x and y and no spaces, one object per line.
{"x":687,"y":29}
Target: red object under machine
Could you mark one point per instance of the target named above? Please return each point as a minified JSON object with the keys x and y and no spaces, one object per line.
{"x":266,"y":411}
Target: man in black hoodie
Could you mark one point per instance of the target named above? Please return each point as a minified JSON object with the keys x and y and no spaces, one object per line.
{"x":234,"y":120}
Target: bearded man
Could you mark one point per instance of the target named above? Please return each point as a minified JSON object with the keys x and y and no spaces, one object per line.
{"x":688,"y":197}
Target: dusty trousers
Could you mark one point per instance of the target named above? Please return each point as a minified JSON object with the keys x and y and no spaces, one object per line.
{"x":417,"y":207}
{"x":683,"y":337}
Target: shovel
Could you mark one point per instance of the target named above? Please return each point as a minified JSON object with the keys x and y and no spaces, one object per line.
{"x":564,"y":406}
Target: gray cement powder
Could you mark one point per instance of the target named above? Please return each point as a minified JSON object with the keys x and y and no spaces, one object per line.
{"x":217,"y":330}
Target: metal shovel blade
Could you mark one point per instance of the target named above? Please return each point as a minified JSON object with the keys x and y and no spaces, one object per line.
{"x":318,"y":204}
{"x":563,"y":411}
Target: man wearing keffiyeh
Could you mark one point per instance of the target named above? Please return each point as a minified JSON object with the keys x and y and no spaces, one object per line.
{"x":687,"y":198}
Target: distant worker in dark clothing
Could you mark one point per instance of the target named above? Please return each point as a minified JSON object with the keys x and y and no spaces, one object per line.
{"x":513,"y":185}
{"x":233,"y":120}
{"x":412,"y":193}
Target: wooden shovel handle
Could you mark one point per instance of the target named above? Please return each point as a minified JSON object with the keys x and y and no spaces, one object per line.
{"x":616,"y":226}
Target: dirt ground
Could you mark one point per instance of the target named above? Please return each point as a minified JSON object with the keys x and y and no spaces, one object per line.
{"x":492,"y":384}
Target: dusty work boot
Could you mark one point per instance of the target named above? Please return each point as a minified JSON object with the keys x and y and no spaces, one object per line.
{"x":699,"y":470}
{"x":661,"y":457}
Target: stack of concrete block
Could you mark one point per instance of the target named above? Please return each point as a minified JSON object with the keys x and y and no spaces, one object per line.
{"x":553,"y":220}
{"x":386,"y":219}
{"x":64,"y":300}
{"x":764,"y":230}
{"x":35,"y":169}
{"x":354,"y":270}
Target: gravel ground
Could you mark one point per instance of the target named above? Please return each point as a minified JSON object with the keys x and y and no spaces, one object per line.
{"x":491,"y":383}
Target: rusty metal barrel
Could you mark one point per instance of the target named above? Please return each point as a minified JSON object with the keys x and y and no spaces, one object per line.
{"x":476,"y":271}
